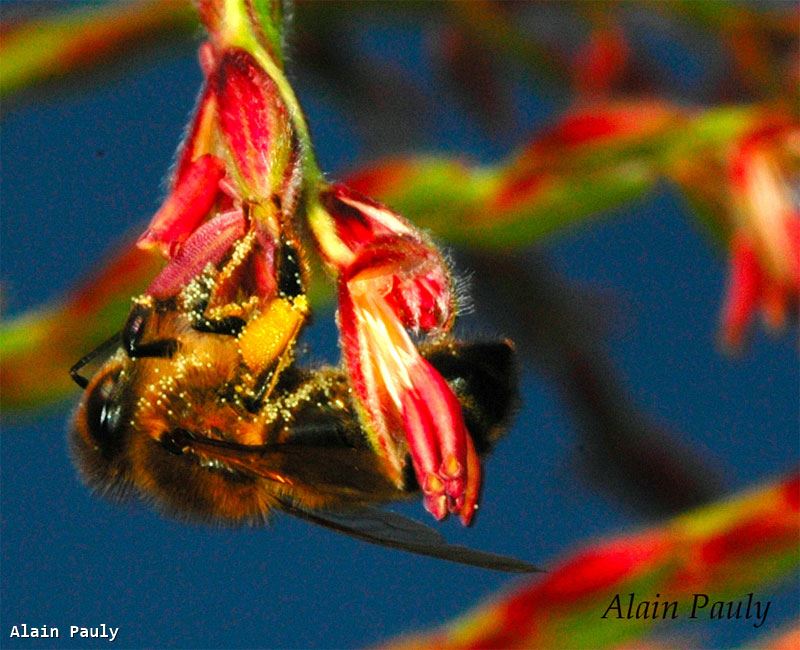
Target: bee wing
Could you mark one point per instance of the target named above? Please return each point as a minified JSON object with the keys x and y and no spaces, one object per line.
{"x":345,"y":471}
{"x":386,"y":528}
{"x":350,"y":473}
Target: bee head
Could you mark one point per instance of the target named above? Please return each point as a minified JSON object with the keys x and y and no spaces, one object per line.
{"x":99,"y":432}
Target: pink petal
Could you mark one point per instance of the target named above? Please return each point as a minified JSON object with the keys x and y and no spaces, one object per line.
{"x":189,"y":203}
{"x":199,"y":140}
{"x":362,"y":378}
{"x":413,"y":279}
{"x":473,"y":488}
{"x":420,"y":433}
{"x":360,"y":221}
{"x":209,"y":244}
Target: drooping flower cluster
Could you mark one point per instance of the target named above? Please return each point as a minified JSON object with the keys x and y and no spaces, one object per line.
{"x":390,"y":280}
{"x":244,"y":180}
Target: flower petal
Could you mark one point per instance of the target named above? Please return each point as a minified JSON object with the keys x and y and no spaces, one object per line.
{"x":406,"y":403}
{"x":208,"y":244}
{"x":189,"y":203}
{"x":254,"y":122}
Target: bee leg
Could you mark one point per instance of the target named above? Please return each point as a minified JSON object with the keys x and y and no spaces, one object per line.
{"x":260,"y":252}
{"x":230,"y":325}
{"x":218,"y":288}
{"x":290,"y":275}
{"x":105,"y":349}
{"x":133,"y":332}
{"x":176,"y":440}
{"x":254,"y":402}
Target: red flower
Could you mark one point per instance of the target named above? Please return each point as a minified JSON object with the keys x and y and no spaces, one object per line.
{"x":765,"y":247}
{"x":391,"y":280}
{"x":234,"y":204}
{"x":237,"y":171}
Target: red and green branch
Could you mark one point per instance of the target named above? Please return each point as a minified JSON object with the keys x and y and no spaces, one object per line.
{"x":745,"y":544}
{"x":44,"y":48}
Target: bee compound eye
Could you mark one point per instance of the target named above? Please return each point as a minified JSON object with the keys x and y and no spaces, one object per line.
{"x":104,"y":411}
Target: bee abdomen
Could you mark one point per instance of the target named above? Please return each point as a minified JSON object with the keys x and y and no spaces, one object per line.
{"x":485,"y":378}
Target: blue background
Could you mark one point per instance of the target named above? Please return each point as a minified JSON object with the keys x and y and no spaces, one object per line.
{"x":82,"y":168}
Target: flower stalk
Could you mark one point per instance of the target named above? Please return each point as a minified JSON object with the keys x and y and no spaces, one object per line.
{"x":723,"y":550}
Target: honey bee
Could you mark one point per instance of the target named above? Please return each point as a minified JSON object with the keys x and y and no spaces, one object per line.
{"x":176,"y":415}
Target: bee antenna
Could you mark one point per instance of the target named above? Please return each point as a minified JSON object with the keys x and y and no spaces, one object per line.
{"x":104,"y":349}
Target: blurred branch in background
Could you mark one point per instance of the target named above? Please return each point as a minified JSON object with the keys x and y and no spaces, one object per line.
{"x":37,"y":50}
{"x":588,"y":162}
{"x":621,"y":449}
{"x":589,"y":47}
{"x":736,"y":166}
{"x":745,"y":544}
{"x":41,"y":345}
{"x":788,"y":639}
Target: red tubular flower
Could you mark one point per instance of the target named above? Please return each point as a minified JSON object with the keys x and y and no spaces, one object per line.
{"x":236,"y":171}
{"x":369,"y":240}
{"x":232,"y":205}
{"x":765,"y":247}
{"x":392,"y":280}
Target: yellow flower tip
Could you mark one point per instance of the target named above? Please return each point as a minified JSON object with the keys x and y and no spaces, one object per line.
{"x":451,"y":468}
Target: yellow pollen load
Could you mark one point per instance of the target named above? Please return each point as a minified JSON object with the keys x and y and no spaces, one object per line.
{"x":270,"y":334}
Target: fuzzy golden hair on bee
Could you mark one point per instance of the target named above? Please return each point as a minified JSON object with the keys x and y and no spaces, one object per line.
{"x":141,"y":466}
{"x":182,"y":432}
{"x":184,"y":489}
{"x":101,"y":459}
{"x":117,"y":444}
